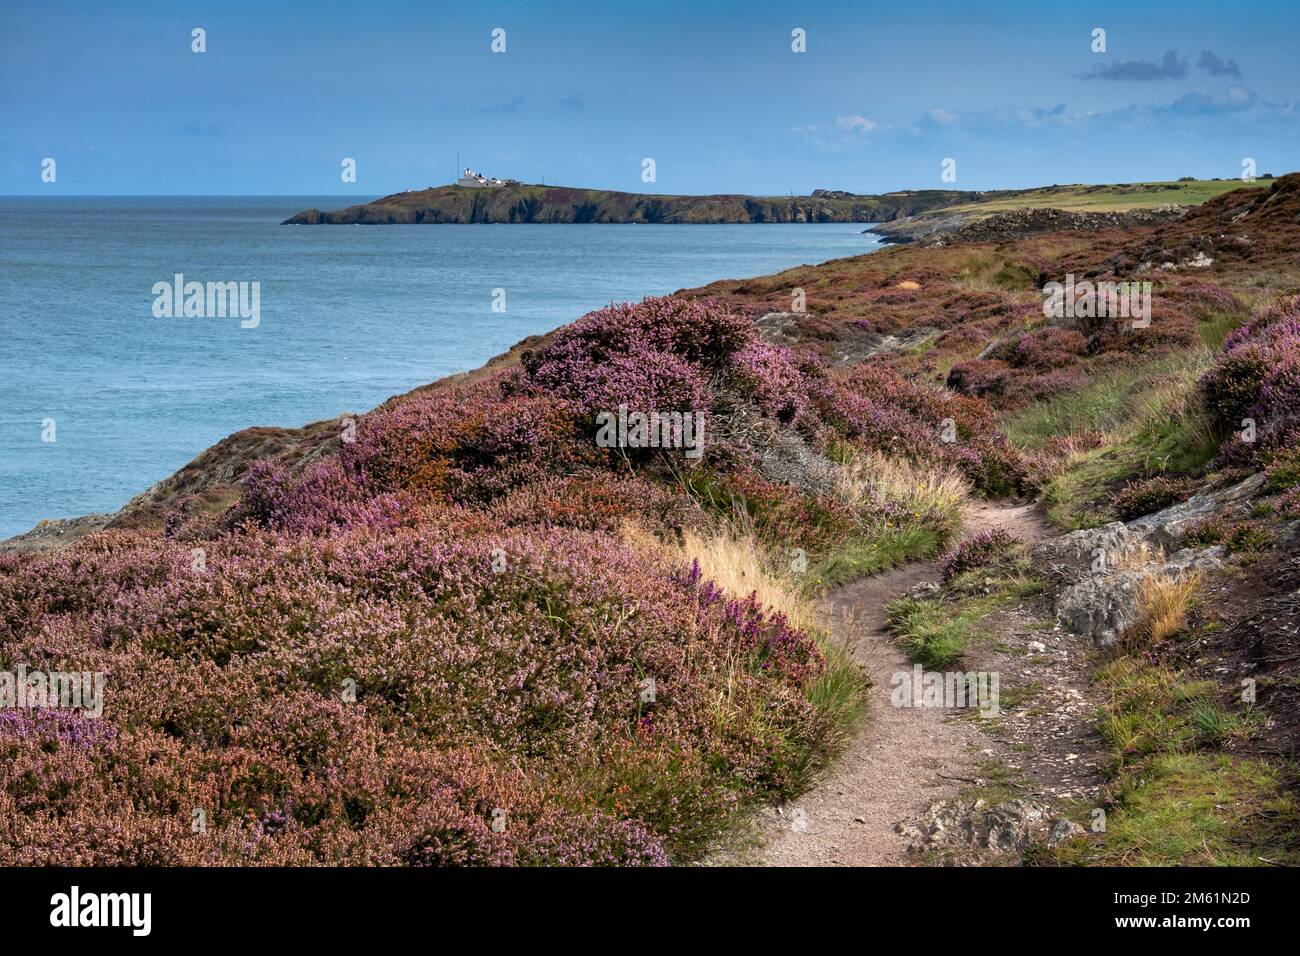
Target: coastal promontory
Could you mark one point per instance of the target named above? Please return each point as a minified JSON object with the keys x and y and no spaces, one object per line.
{"x":525,"y":203}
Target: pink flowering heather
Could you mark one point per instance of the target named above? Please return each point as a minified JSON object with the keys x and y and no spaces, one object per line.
{"x":1257,"y":376}
{"x":428,"y":645}
{"x":979,"y":550}
{"x":478,"y":686}
{"x":770,"y":377}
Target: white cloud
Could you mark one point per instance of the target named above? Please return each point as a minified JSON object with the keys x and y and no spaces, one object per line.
{"x":859,"y":123}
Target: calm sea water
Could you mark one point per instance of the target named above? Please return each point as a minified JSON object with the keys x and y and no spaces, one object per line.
{"x":349,"y":316}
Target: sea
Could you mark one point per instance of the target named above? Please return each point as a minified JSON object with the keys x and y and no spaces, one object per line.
{"x":104,"y":390}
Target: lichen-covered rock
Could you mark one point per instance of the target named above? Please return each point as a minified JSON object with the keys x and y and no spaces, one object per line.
{"x":1079,"y":552}
{"x":1064,"y":829}
{"x":1103,"y":604}
{"x":974,"y":825}
{"x":1165,"y":528}
{"x":1100,"y":599}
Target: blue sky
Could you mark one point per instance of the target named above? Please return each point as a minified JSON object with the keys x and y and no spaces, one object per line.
{"x":711,"y":91}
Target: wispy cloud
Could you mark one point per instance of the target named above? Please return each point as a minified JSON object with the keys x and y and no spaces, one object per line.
{"x":1218,"y":67}
{"x":855,"y":123}
{"x":1232,"y":100}
{"x":1172,"y":67}
{"x":1236,"y":99}
{"x":939,"y":118}
{"x":574,"y":101}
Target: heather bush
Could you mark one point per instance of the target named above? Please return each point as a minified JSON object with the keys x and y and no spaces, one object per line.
{"x":979,"y":550}
{"x":1205,"y":299}
{"x":1288,"y":506}
{"x":1044,"y":349}
{"x":770,"y":377}
{"x":1149,"y":495}
{"x":1170,"y":328}
{"x":224,"y":693}
{"x":1257,"y":376}
{"x":1233,"y":386}
{"x":979,"y":377}
{"x":653,"y":356}
{"x":876,"y":409}
{"x":436,"y":623}
{"x":1204,"y":534}
{"x":1246,"y":538}
{"x":598,"y":502}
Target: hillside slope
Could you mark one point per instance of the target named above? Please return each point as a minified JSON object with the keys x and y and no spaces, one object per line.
{"x":1077,"y":206}
{"x":465,"y":629}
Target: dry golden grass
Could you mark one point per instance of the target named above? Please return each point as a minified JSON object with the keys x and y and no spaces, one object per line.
{"x":1137,"y":558}
{"x":734,"y":562}
{"x":1164,"y":606}
{"x":925,"y":491}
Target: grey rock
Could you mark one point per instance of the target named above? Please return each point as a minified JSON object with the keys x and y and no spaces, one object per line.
{"x":974,"y":825}
{"x":1103,"y":605}
{"x":1288,"y":536}
{"x":54,"y":533}
{"x":782,"y":328}
{"x":1073,"y":554}
{"x":1062,"y":830}
{"x":1165,"y":528}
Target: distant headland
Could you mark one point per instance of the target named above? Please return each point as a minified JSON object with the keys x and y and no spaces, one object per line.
{"x":901,"y":216}
{"x":476,"y":198}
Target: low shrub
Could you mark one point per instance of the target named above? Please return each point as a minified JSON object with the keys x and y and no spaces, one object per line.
{"x":1288,"y":506}
{"x":1283,"y":471}
{"x":979,"y":550}
{"x":1149,"y":495}
{"x":1256,"y":378}
{"x":1204,"y":534}
{"x":1246,"y":538}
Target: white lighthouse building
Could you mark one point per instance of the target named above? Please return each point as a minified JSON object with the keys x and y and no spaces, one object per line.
{"x":476,"y":180}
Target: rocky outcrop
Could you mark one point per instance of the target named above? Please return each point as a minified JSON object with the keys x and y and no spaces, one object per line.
{"x":1242,"y":225}
{"x":1104,"y":604}
{"x":1166,"y":528}
{"x":1074,"y":555}
{"x":851,"y":344}
{"x":961,"y":225}
{"x":1022,"y":223}
{"x":1101,"y":570}
{"x":54,"y":533}
{"x":973,"y":825}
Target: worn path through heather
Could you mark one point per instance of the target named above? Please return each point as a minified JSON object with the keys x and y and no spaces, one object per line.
{"x":901,"y":758}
